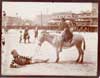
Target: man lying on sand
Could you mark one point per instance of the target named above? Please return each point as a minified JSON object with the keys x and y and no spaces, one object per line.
{"x":22,"y":60}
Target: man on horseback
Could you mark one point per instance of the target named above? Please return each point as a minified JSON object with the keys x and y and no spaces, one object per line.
{"x":66,"y":34}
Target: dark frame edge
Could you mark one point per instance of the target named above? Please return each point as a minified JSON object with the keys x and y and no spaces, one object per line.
{"x":98,"y":70}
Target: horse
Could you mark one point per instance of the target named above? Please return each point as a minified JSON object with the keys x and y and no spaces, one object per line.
{"x":55,"y":40}
{"x":26,"y":37}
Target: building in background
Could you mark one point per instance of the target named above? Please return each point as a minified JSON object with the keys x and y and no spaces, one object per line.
{"x":87,"y":20}
{"x":15,"y":21}
{"x":42,"y":20}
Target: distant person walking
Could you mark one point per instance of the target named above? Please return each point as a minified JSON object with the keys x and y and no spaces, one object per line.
{"x":26,"y":36}
{"x":5,"y":22}
{"x":20,"y":39}
{"x":36,"y":33}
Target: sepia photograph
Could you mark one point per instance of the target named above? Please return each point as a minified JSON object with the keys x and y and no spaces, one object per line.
{"x":49,"y":39}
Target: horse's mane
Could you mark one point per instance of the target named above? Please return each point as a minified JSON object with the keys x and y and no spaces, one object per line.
{"x":51,"y":35}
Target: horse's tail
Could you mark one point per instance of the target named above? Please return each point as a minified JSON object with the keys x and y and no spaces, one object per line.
{"x":84,"y":45}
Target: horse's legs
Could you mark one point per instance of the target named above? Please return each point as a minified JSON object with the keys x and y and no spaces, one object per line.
{"x":57,"y":60}
{"x":78,"y":45}
{"x":78,"y":55}
{"x":81,"y":53}
{"x":61,"y":46}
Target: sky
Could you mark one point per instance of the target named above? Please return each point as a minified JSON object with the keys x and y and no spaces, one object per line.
{"x":28,"y":10}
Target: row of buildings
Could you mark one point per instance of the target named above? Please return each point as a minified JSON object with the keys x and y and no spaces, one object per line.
{"x":15,"y":21}
{"x":84,"y":20}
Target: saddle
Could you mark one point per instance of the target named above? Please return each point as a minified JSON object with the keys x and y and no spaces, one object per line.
{"x":67,"y":37}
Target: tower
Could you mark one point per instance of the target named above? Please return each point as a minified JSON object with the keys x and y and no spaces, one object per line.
{"x":95,"y":9}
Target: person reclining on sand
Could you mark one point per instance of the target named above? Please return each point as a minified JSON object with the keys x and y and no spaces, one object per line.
{"x":23,"y":60}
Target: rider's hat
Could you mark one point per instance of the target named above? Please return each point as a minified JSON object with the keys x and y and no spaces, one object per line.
{"x":26,"y":28}
{"x":63,"y":19}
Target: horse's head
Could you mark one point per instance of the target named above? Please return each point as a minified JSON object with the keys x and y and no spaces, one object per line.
{"x":43,"y":37}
